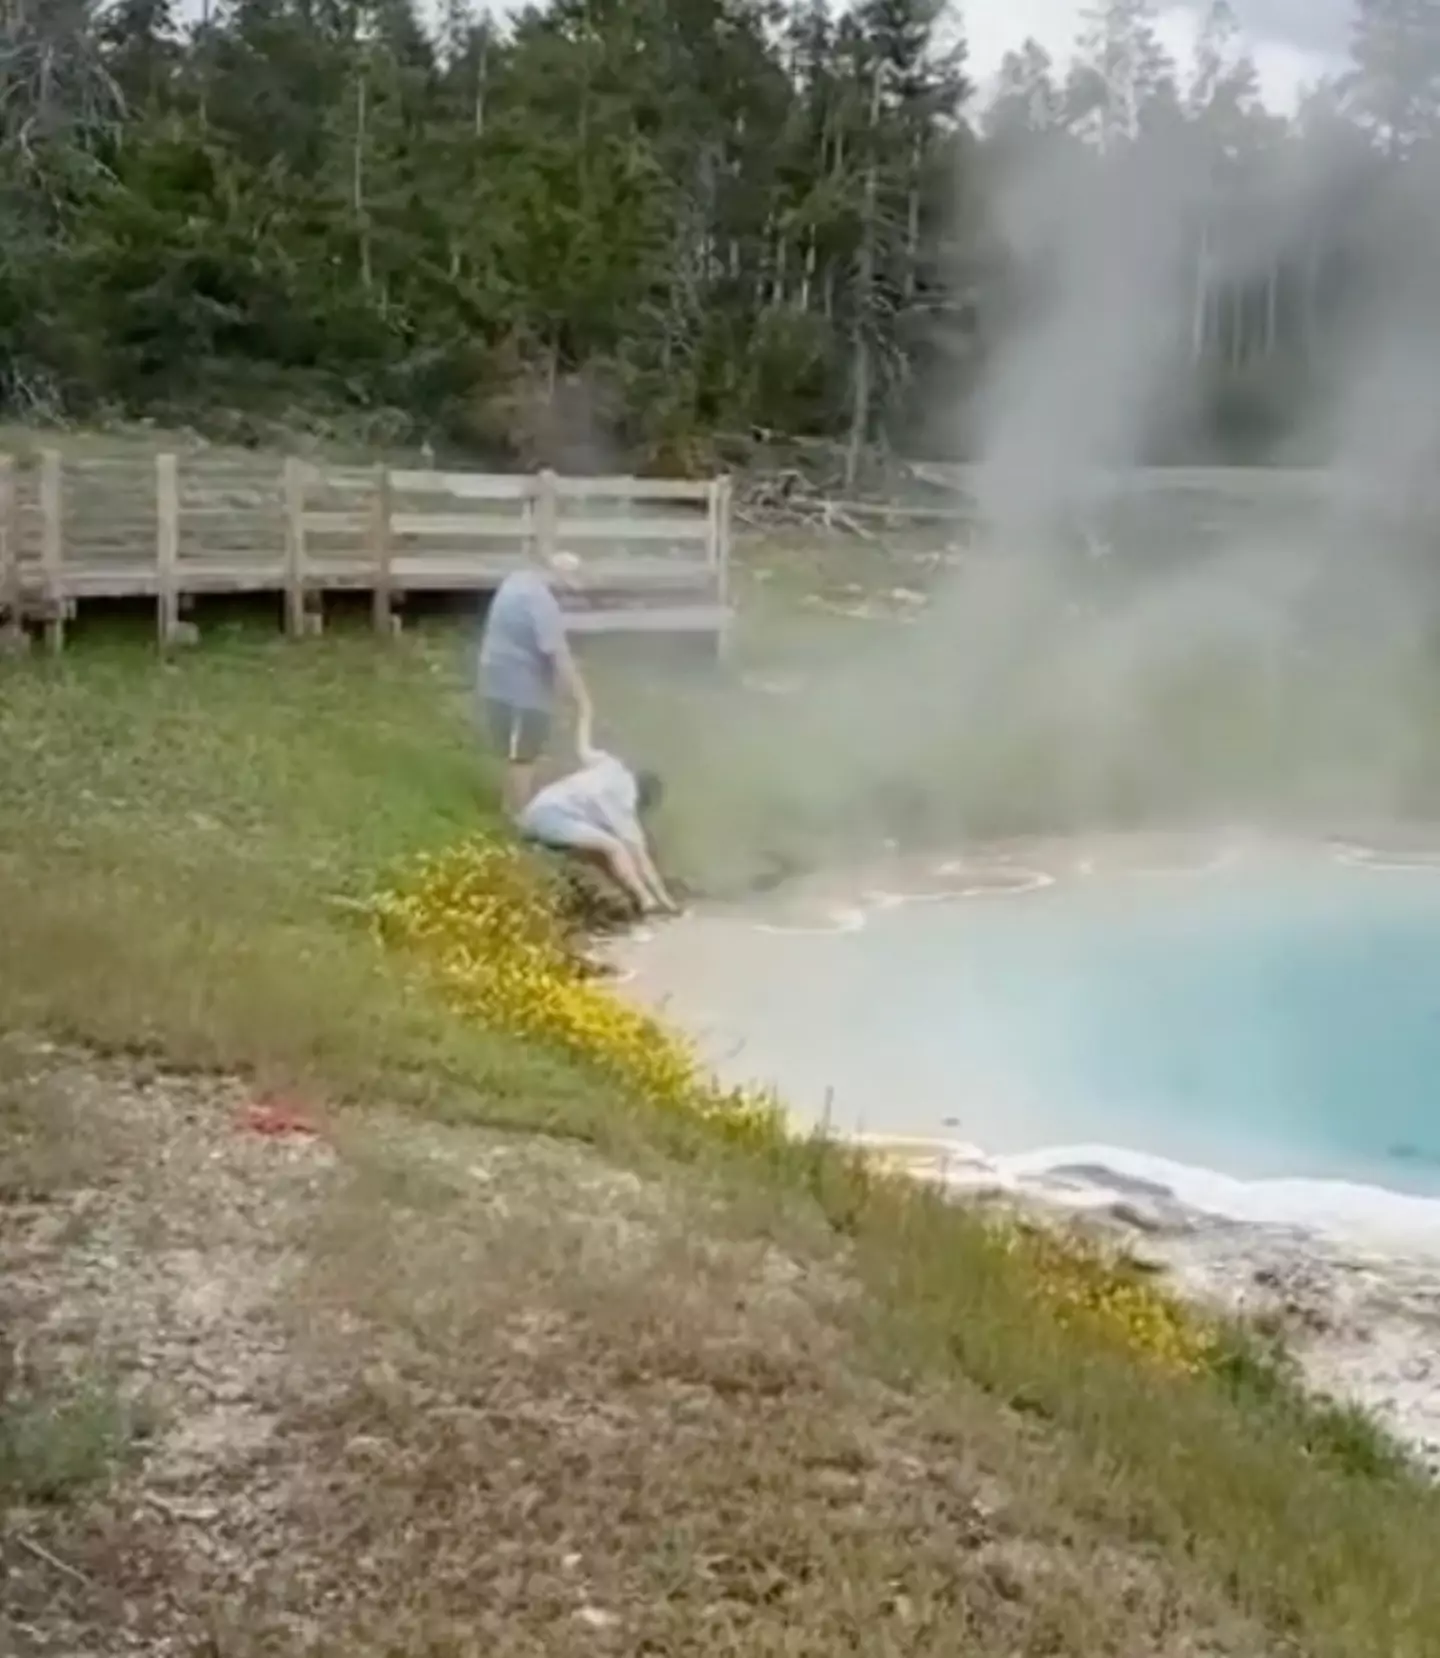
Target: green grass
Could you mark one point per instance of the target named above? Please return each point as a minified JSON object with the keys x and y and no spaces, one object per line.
{"x":181,"y":849}
{"x":58,"y":1443}
{"x":185,"y":844}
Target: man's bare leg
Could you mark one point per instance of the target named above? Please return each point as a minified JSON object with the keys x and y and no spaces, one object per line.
{"x":518,"y":786}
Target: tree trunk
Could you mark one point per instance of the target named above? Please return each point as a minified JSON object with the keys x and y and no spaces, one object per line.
{"x":861,"y":368}
{"x":481,"y":75}
{"x":780,"y":269}
{"x":1199,"y":312}
{"x":1309,"y":290}
{"x":357,"y":179}
{"x":912,"y":220}
{"x":807,"y":272}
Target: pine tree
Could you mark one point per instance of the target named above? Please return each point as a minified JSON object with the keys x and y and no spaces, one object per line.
{"x":1028,"y":102}
{"x":143,"y":50}
{"x":677,"y":217}
{"x":1123,"y":79}
{"x":1394,"y":88}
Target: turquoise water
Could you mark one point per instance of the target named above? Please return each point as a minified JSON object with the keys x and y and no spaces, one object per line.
{"x":1257,"y":1025}
{"x":1260,"y":1027}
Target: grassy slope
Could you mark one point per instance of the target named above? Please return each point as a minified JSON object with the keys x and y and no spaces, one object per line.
{"x":179,"y":847}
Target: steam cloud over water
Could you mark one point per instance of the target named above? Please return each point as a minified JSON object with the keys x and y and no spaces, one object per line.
{"x":1250,"y":652}
{"x":1112,"y":651}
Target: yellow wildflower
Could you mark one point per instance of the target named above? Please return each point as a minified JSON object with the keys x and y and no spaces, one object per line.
{"x":484,"y":922}
{"x":1082,"y":1284}
{"x":487,"y":926}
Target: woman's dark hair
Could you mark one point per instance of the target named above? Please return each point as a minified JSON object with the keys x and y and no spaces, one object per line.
{"x":649,"y":790}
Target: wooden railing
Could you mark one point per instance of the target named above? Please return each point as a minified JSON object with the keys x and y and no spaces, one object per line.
{"x":653,"y":553}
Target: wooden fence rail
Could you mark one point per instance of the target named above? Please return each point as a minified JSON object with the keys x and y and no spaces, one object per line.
{"x":653,"y":553}
{"x":9,"y":542}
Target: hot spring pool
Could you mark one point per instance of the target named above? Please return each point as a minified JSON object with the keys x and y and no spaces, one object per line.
{"x":1267,"y":1021}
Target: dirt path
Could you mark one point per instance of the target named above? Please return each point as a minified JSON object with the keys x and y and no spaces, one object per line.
{"x":148,"y":1244}
{"x":431,"y":1391}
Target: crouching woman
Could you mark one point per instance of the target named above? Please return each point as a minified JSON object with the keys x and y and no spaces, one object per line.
{"x":596,"y":812}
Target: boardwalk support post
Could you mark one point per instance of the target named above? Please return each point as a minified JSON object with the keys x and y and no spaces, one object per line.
{"x":52,"y":545}
{"x":380,"y":553}
{"x":167,"y":549}
{"x":294,"y":487}
{"x":10,"y":618}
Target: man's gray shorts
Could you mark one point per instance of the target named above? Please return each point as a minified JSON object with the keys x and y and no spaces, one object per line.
{"x":519,"y":734}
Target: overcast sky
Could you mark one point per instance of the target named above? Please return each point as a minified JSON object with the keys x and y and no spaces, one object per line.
{"x":1294,"y":42}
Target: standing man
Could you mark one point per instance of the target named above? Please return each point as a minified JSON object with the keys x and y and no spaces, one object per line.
{"x":524,"y":657}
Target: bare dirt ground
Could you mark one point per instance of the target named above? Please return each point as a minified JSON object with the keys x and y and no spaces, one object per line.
{"x":407,"y":1390}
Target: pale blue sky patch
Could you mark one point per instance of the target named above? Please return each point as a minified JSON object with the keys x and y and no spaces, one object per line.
{"x":1294,"y":42}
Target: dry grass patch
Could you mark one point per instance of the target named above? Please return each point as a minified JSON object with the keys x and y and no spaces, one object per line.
{"x":604,"y":1428}
{"x":140,"y":1287}
{"x":64,"y":1423}
{"x":432,"y":1391}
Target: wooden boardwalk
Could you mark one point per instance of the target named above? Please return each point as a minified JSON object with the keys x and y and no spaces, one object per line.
{"x":654,"y":553}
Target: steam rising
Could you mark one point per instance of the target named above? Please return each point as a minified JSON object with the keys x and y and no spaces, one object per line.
{"x":1250,"y":649}
{"x":1096,"y":245}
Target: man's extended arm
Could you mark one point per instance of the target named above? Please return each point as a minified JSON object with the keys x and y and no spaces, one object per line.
{"x":585,"y":748}
{"x":567,"y":670}
{"x":550,"y":628}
